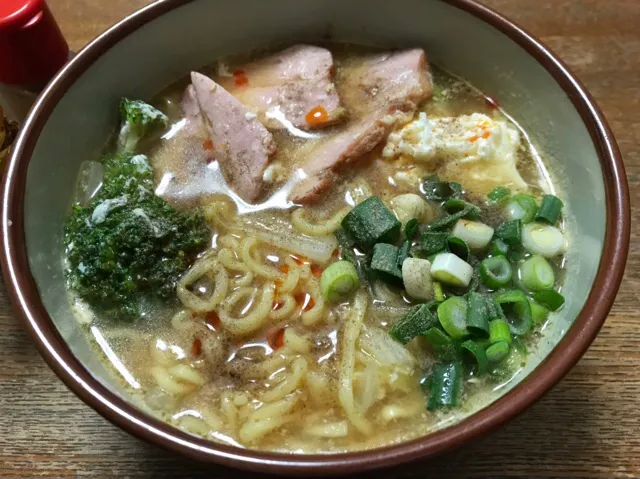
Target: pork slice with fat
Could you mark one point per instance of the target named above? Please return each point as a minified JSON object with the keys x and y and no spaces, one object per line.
{"x":239,"y":142}
{"x":385,"y":90}
{"x":296,"y":81}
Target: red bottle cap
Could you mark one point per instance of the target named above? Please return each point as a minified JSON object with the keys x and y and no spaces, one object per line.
{"x":32,"y":47}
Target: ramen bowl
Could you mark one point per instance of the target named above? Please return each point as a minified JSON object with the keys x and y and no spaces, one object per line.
{"x":74,"y":117}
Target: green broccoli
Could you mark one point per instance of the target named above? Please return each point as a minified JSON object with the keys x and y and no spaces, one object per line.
{"x":138,"y":119}
{"x":128,"y":247}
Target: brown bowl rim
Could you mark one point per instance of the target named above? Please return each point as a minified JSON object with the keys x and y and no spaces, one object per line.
{"x":25,"y":298}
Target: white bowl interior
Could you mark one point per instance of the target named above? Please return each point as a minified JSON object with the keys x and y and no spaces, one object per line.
{"x":197,"y":33}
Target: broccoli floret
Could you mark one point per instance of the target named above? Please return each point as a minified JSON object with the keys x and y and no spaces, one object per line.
{"x":138,"y":119}
{"x":129,"y":246}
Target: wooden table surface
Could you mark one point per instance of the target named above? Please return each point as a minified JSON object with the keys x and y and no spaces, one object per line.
{"x":587,"y":427}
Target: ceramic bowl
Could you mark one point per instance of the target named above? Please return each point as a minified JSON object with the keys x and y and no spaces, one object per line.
{"x":75,"y":115}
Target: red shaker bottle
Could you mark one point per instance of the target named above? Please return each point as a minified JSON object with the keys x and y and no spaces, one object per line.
{"x":32,"y":50}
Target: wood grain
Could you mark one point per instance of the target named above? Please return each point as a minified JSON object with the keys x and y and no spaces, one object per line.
{"x":587,"y":427}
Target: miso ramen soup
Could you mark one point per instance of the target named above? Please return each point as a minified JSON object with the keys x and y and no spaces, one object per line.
{"x":317,"y":249}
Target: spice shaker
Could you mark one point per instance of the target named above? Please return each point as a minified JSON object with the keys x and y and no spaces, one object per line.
{"x":32,"y":50}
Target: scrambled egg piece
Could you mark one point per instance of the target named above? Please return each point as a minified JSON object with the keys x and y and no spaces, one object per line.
{"x":476,"y":150}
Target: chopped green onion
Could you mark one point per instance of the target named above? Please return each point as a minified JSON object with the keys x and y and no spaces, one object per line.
{"x":517,"y":254}
{"x":436,"y":190}
{"x":495,"y":310}
{"x":384,"y":263}
{"x":443,"y":346}
{"x":458,"y":247}
{"x":549,"y":209}
{"x":339,"y":281}
{"x":497,"y":352}
{"x":456,"y":205}
{"x":517,"y":310}
{"x":474,"y":283}
{"x":499,"y":331}
{"x":347,"y":252}
{"x":510,"y":232}
{"x":522,"y":207}
{"x":499,"y":194}
{"x":495,"y":272}
{"x":471,"y":212}
{"x":403,"y":253}
{"x":536,"y":274}
{"x":371,"y":222}
{"x":549,"y":299}
{"x":346,"y":244}
{"x":444,"y":385}
{"x":449,"y":269}
{"x":477,"y":355}
{"x":416,"y":276}
{"x":456,"y":187}
{"x":476,"y":235}
{"x":538,"y":312}
{"x":437,"y":291}
{"x":498,"y":248}
{"x":477,"y":315}
{"x":411,"y":228}
{"x":432,"y":243}
{"x":415,"y":323}
{"x":452,"y":315}
{"x":542,"y":239}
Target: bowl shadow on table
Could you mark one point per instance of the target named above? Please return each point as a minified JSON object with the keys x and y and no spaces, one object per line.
{"x":555,"y":435}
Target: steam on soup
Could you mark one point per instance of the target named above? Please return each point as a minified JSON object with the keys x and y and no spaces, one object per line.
{"x":315,"y":250}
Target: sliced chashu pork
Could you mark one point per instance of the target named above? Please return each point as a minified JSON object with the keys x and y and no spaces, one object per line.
{"x":239,"y":142}
{"x":385,"y":91}
{"x":298,"y":81}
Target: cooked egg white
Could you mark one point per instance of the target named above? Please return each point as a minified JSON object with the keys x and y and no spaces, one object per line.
{"x":473,"y":149}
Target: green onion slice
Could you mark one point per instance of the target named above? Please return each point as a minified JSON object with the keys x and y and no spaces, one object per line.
{"x":411,"y":228}
{"x":452,"y":270}
{"x":499,"y":331}
{"x":474,"y":353}
{"x":456,"y":205}
{"x":498,"y":248}
{"x":471,"y":212}
{"x":495,"y":272}
{"x":549,"y":209}
{"x":546,"y":240}
{"x":403,"y":253}
{"x":444,"y":385}
{"x":452,"y":315}
{"x":497,"y":352}
{"x":339,"y":281}
{"x":477,"y":235}
{"x":498,"y":195}
{"x":515,"y":305}
{"x":436,"y":190}
{"x":415,"y":323}
{"x":536,"y":274}
{"x":458,"y":247}
{"x":442,"y":345}
{"x":510,"y":232}
{"x":477,"y":315}
{"x":495,"y":310}
{"x":432,"y":243}
{"x":550,"y":299}
{"x":539,"y":313}
{"x":522,"y":207}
